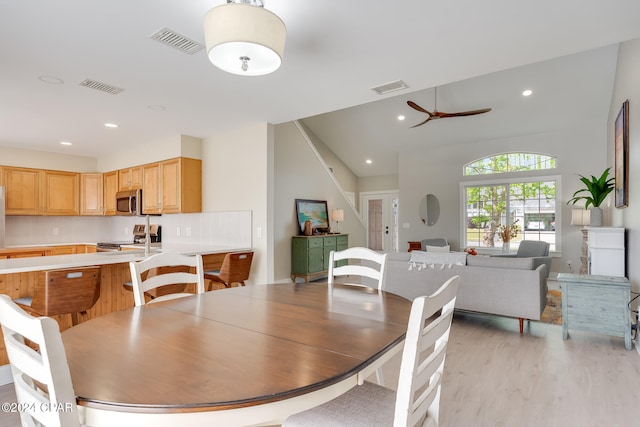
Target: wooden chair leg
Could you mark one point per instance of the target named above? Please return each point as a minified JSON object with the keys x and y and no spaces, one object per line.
{"x":521,"y":320}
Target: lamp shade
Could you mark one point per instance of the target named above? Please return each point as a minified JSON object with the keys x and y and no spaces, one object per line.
{"x":580,"y":216}
{"x":244,"y":39}
{"x":337,"y":215}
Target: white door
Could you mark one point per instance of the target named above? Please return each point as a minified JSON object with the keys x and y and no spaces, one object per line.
{"x":379,"y":211}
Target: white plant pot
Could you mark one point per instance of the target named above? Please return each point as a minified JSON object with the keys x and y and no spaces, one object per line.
{"x":596,"y":217}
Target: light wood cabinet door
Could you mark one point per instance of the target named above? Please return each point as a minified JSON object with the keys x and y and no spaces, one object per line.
{"x":63,"y":250}
{"x":91,"y":194}
{"x":22,"y":191}
{"x":130,"y":178}
{"x":182,"y":185}
{"x":172,"y":186}
{"x":151,"y":189}
{"x":60,"y":193}
{"x":110,"y":188}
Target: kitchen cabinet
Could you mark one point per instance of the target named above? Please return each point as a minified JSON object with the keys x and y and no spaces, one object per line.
{"x":110,"y":188}
{"x":130,"y":178}
{"x":59,"y":193}
{"x":172,"y":186}
{"x":63,"y":250}
{"x":40,"y":192}
{"x":91,"y":194}
{"x":22,"y":190}
{"x":310,"y":254}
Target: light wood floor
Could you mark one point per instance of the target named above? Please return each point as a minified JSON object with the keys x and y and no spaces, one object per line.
{"x":495,"y":377}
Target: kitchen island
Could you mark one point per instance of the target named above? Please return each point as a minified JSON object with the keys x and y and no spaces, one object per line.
{"x":19,"y":275}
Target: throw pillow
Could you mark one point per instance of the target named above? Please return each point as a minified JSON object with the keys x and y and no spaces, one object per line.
{"x":438,"y":248}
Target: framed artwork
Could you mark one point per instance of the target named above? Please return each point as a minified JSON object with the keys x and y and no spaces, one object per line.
{"x":622,"y":156}
{"x":314,"y":211}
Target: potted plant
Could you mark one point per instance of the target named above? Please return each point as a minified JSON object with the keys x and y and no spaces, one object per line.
{"x":597,"y":190}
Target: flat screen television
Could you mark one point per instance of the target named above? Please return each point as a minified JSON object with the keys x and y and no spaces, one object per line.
{"x":314,"y":211}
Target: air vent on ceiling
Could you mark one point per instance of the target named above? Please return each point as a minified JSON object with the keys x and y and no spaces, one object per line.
{"x":102,"y":87}
{"x":389,"y":87}
{"x":178,"y":41}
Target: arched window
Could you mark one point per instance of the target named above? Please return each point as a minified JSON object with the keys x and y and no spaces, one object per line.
{"x":524,"y":203}
{"x":510,"y":162}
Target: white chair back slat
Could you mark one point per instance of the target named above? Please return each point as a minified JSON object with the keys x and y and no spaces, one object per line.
{"x":419,"y":367}
{"x":41,"y":378}
{"x":141,"y":286}
{"x":366,"y":263}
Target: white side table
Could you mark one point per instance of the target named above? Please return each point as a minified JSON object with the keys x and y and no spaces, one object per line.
{"x":596,"y":304}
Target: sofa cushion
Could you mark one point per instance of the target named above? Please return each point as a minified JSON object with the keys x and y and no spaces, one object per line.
{"x":498,"y":262}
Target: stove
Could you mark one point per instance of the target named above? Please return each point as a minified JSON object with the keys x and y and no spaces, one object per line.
{"x":139,"y":237}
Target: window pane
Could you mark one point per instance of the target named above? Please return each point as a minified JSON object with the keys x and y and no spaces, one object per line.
{"x":530,"y":209}
{"x":510,"y":162}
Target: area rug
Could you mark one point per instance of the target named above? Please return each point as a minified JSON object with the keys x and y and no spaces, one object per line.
{"x":553,"y":311}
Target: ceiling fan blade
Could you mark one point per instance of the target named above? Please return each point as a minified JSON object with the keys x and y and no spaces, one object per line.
{"x":420,"y":124}
{"x":466,"y":113}
{"x":417,"y":107}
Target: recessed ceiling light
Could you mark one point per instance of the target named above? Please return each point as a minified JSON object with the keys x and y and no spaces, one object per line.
{"x":65,"y":143}
{"x":51,"y":80}
{"x":111,"y":125}
{"x":368,"y":161}
{"x":527,"y":92}
{"x":400,"y":117}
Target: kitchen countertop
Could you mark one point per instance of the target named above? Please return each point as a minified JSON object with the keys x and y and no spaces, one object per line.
{"x":20,"y":265}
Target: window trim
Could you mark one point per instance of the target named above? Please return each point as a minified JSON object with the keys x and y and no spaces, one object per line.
{"x":509,"y":178}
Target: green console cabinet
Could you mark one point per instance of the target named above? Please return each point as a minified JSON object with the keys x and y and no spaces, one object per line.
{"x":310,"y":254}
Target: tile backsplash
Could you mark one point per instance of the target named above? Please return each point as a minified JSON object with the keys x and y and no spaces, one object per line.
{"x":218,"y":228}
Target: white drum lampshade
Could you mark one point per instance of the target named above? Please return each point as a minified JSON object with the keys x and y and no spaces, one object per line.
{"x":244,"y":39}
{"x":580,"y":216}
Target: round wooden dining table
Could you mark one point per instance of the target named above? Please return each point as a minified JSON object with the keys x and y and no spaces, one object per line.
{"x":234,"y":357}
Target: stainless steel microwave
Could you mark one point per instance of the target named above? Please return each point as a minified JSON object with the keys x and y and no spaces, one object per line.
{"x":129,"y":202}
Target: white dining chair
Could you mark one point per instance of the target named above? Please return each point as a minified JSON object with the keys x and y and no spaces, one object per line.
{"x":171,"y":271}
{"x":368,"y":263}
{"x":41,"y":377}
{"x":417,"y":400}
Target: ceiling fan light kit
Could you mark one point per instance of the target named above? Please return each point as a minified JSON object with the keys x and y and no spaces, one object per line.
{"x":440,"y":115}
{"x":244,"y":38}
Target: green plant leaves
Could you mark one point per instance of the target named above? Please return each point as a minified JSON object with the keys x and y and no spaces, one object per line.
{"x":596,"y":188}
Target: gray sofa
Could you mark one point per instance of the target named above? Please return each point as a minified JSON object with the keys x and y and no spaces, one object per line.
{"x":513,"y":287}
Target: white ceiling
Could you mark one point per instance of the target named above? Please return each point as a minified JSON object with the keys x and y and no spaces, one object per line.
{"x":335,"y":52}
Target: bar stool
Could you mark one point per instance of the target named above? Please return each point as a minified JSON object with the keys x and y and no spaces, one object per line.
{"x":235,"y":269}
{"x":64,"y":291}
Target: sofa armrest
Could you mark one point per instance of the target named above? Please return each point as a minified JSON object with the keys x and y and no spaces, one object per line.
{"x":542,"y":260}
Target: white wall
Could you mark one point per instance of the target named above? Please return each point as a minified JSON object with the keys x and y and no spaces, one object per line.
{"x":10,"y":156}
{"x":345,"y":176}
{"x":302,"y":175}
{"x":438,"y":170}
{"x":237,"y":175}
{"x":627,"y":86}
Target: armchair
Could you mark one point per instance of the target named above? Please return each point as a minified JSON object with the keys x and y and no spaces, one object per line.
{"x":536,"y":249}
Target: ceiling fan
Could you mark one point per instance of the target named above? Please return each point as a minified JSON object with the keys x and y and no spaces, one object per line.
{"x":440,"y":115}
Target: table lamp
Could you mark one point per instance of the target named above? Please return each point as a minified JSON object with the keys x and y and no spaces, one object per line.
{"x":337,"y":215}
{"x":581,"y":216}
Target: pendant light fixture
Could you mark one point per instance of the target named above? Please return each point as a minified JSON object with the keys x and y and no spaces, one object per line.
{"x":244,"y":38}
